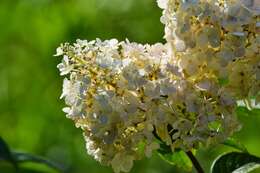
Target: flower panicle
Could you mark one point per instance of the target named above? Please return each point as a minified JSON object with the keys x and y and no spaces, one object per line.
{"x":125,"y":96}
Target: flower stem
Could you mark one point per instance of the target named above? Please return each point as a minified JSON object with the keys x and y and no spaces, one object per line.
{"x":195,"y":162}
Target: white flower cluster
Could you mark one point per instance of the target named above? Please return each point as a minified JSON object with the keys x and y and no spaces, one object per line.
{"x":127,"y":96}
{"x":220,"y":38}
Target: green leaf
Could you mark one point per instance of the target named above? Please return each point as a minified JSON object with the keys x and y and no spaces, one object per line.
{"x":235,"y":162}
{"x":5,"y":153}
{"x":231,"y":142}
{"x":7,"y":168}
{"x":16,"y":158}
{"x":177,"y":158}
{"x":223,"y":81}
{"x":243,"y":111}
{"x":24,"y":157}
{"x":247,"y":168}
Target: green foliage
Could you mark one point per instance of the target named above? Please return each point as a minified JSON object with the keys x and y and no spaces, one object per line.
{"x":177,"y":158}
{"x":5,"y":153}
{"x":235,"y":162}
{"x":243,"y":111}
{"x":232,"y":142}
{"x":17,"y":158}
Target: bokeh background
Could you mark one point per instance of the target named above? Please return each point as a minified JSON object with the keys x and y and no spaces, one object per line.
{"x":31,"y":119}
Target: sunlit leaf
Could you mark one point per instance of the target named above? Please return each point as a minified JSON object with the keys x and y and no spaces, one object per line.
{"x":177,"y":158}
{"x":231,"y":142}
{"x":247,"y":168}
{"x":244,"y":111}
{"x":235,"y":162}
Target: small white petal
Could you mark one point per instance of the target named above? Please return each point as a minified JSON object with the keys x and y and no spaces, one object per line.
{"x":240,"y":34}
{"x":59,"y":51}
{"x":65,"y":88}
{"x":142,"y":72}
{"x":162,"y":3}
{"x":257,"y":24}
{"x":180,"y":45}
{"x":126,"y":62}
{"x":204,"y":85}
{"x":66,"y":110}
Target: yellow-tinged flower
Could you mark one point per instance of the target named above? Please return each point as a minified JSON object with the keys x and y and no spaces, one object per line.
{"x":124,"y":94}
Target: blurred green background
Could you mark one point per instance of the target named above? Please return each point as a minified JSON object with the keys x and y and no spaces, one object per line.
{"x":31,"y":119}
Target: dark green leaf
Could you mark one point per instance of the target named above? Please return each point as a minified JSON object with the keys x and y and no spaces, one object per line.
{"x":231,"y":142}
{"x":235,"y":161}
{"x":164,"y":149}
{"x":24,"y":157}
{"x":5,"y":153}
{"x":16,"y":158}
{"x":7,"y":168}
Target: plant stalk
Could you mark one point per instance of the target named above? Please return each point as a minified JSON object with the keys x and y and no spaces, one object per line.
{"x":195,"y":162}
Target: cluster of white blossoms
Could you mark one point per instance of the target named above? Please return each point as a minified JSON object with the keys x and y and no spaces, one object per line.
{"x":220,"y":38}
{"x":126,"y":96}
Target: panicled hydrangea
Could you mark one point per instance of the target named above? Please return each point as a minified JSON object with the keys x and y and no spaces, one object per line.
{"x":219,"y":38}
{"x":127,"y":96}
